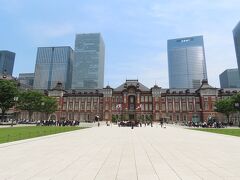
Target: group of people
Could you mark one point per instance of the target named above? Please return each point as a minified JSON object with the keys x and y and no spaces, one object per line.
{"x":57,"y":123}
{"x":133,"y":124}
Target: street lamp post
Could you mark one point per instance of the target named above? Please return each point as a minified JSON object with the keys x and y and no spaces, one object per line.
{"x":42,"y":105}
{"x":15,"y":101}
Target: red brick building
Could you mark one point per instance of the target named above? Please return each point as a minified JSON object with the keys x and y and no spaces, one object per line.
{"x":134,"y":101}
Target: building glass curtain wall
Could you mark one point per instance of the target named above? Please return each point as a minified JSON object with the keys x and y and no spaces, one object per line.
{"x":26,"y":78}
{"x":186,"y":62}
{"x":236,"y":38}
{"x":88,"y":65}
{"x":230,"y":79}
{"x":53,"y":64}
{"x":7,"y":59}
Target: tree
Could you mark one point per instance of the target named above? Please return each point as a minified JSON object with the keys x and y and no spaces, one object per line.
{"x":226,"y":107}
{"x":236,"y":105}
{"x":49,"y":105}
{"x":30,"y":101}
{"x":8,"y":90}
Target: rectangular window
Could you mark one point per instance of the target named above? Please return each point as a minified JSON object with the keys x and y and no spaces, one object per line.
{"x":190,"y":107}
{"x":76,"y":106}
{"x":64,"y":106}
{"x":169,"y":99}
{"x":157,"y":107}
{"x":197,"y":106}
{"x":82,"y":106}
{"x":206,"y":106}
{"x":106,"y":107}
{"x":88,"y":106}
{"x":184,"y":107}
{"x":176,"y":99}
{"x":177,"y":107}
{"x":146,"y":106}
{"x":185,"y":117}
{"x":178,"y":117}
{"x":150,"y":98}
{"x":70,"y":106}
{"x":163,"y":107}
{"x":170,"y":106}
{"x":146,"y":98}
{"x":150,"y":107}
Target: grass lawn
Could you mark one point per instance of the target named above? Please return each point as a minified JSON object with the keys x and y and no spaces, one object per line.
{"x":232,"y":132}
{"x":19,"y":133}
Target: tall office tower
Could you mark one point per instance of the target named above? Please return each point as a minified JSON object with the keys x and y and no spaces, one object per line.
{"x":186,"y":62}
{"x":230,"y":78}
{"x":7,"y":59}
{"x":236,"y":38}
{"x":53,"y":64}
{"x":26,"y":79}
{"x":88,"y":65}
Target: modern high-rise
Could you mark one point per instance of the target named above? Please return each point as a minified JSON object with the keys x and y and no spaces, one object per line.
{"x":26,"y":79}
{"x":7,"y":59}
{"x":53,"y":65}
{"x":88,"y":65}
{"x":236,"y":38}
{"x":230,"y":79}
{"x":186,"y":62}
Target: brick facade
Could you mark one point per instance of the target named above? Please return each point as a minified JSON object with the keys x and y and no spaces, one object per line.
{"x":134,"y":101}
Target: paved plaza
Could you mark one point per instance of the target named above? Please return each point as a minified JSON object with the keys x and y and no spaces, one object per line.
{"x":108,"y":153}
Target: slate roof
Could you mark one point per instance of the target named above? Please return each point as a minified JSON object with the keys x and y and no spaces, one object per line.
{"x":132,"y":83}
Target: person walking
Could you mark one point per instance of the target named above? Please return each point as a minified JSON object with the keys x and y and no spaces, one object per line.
{"x":161,"y":123}
{"x":132,"y":124}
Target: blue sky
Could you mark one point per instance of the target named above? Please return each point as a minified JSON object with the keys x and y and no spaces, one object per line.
{"x":135,"y":33}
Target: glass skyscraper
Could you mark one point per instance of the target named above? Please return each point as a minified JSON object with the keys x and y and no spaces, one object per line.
{"x":186,"y":62}
{"x":88,"y":65}
{"x":53,"y":64}
{"x":236,"y":38}
{"x":230,"y":79}
{"x":7,"y":59}
{"x":26,"y":79}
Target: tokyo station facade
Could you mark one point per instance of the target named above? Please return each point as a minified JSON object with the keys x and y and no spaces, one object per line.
{"x":134,"y":101}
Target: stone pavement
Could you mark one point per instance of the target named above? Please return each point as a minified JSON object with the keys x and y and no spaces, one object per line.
{"x":108,"y":153}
